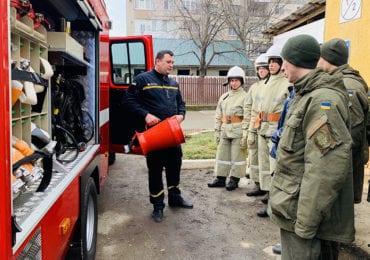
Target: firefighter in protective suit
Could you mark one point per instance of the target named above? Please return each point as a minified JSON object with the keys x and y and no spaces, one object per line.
{"x":254,"y":96}
{"x":231,"y":132}
{"x":266,"y":122}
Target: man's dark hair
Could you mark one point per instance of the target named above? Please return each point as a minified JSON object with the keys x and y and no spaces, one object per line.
{"x":161,"y":54}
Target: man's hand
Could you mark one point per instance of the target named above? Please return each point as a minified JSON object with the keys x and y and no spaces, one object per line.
{"x":151,"y":120}
{"x":180,"y":118}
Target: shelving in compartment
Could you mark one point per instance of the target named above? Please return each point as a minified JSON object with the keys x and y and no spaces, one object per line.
{"x":30,"y":44}
{"x":24,"y":26}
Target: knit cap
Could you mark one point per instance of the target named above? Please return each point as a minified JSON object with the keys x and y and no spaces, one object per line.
{"x":302,"y":51}
{"x":335,"y":51}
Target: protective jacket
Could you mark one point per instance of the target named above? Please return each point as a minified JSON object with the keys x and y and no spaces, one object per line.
{"x":254,"y":97}
{"x":275,"y":92}
{"x":252,"y":103}
{"x":229,"y":128}
{"x":311,"y":192}
{"x":229,"y":118}
{"x":152,"y":92}
{"x":357,"y":91}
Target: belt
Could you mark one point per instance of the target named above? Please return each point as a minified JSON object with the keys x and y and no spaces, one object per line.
{"x":266,"y":117}
{"x":231,"y":119}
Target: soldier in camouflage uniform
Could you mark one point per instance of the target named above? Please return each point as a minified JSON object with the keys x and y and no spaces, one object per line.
{"x":231,"y":133}
{"x":311,"y":195}
{"x":334,"y":56}
{"x":251,"y":104}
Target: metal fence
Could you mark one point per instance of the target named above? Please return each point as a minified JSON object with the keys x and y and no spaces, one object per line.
{"x":205,"y":91}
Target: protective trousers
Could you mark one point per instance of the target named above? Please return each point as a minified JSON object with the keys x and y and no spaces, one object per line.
{"x":170,"y":160}
{"x":266,"y":163}
{"x":230,"y":158}
{"x":253,"y":156}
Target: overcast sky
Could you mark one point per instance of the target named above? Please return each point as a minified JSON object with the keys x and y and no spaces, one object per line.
{"x":117,"y":12}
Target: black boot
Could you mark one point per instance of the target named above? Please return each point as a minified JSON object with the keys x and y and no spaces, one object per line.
{"x":262,"y":213}
{"x":233,"y":183}
{"x":219,"y":182}
{"x":265,"y":198}
{"x":256,"y":191}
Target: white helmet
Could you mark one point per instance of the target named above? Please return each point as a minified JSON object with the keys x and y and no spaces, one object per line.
{"x":261,"y":61}
{"x":235,"y":72}
{"x":274,"y":51}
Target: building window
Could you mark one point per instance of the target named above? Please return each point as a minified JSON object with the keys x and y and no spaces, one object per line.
{"x":232,"y":32}
{"x":189,"y":4}
{"x":279,"y":10}
{"x":183,"y":72}
{"x":169,"y":4}
{"x":148,"y":26}
{"x":144,"y":4}
{"x":222,"y":73}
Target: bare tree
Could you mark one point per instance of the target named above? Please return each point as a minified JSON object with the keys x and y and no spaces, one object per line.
{"x":204,"y":23}
{"x":249,"y":18}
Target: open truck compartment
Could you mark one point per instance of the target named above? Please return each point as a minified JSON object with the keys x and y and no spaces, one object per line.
{"x":68,"y":39}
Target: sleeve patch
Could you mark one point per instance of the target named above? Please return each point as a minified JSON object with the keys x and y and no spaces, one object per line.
{"x":323,"y":139}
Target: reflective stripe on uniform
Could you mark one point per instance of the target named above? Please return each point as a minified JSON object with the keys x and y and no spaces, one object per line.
{"x":157,"y":195}
{"x":160,"y":87}
{"x":230,"y":163}
{"x":171,"y":187}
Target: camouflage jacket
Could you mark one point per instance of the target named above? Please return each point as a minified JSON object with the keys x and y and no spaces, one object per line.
{"x":311,"y":192}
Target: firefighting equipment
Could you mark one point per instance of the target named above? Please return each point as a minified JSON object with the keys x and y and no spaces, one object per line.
{"x":261,"y":61}
{"x":29,"y":94}
{"x":302,"y":51}
{"x":17,"y":186}
{"x":335,"y":51}
{"x":235,"y":72}
{"x":33,"y":83}
{"x":17,"y":88}
{"x":23,"y":7}
{"x":274,"y":52}
{"x":42,"y":140}
{"x":46,"y":69}
{"x":27,"y":172}
{"x":166,"y":134}
{"x":38,"y":88}
{"x":21,"y":146}
{"x":266,"y":117}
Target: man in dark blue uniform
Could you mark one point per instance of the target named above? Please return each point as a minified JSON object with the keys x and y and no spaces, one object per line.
{"x":153,"y":97}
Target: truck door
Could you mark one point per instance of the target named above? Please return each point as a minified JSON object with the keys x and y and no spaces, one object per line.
{"x":129,"y":56}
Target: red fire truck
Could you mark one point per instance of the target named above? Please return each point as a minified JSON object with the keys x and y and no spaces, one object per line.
{"x":63,"y":85}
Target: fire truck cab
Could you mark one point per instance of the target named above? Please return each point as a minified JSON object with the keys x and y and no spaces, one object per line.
{"x":63,"y":85}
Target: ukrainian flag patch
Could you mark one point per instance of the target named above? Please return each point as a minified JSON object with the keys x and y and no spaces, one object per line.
{"x":325,"y":105}
{"x":350,"y":93}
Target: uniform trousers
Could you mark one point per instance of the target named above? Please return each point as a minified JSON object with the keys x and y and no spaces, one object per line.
{"x":230,"y":158}
{"x":253,"y":156}
{"x":169,"y":159}
{"x":266,"y":163}
{"x":294,"y":247}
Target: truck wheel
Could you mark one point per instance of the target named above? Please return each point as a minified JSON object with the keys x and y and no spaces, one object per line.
{"x":89,"y":220}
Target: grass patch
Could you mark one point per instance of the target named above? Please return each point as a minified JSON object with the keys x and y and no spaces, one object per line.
{"x":200,"y":146}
